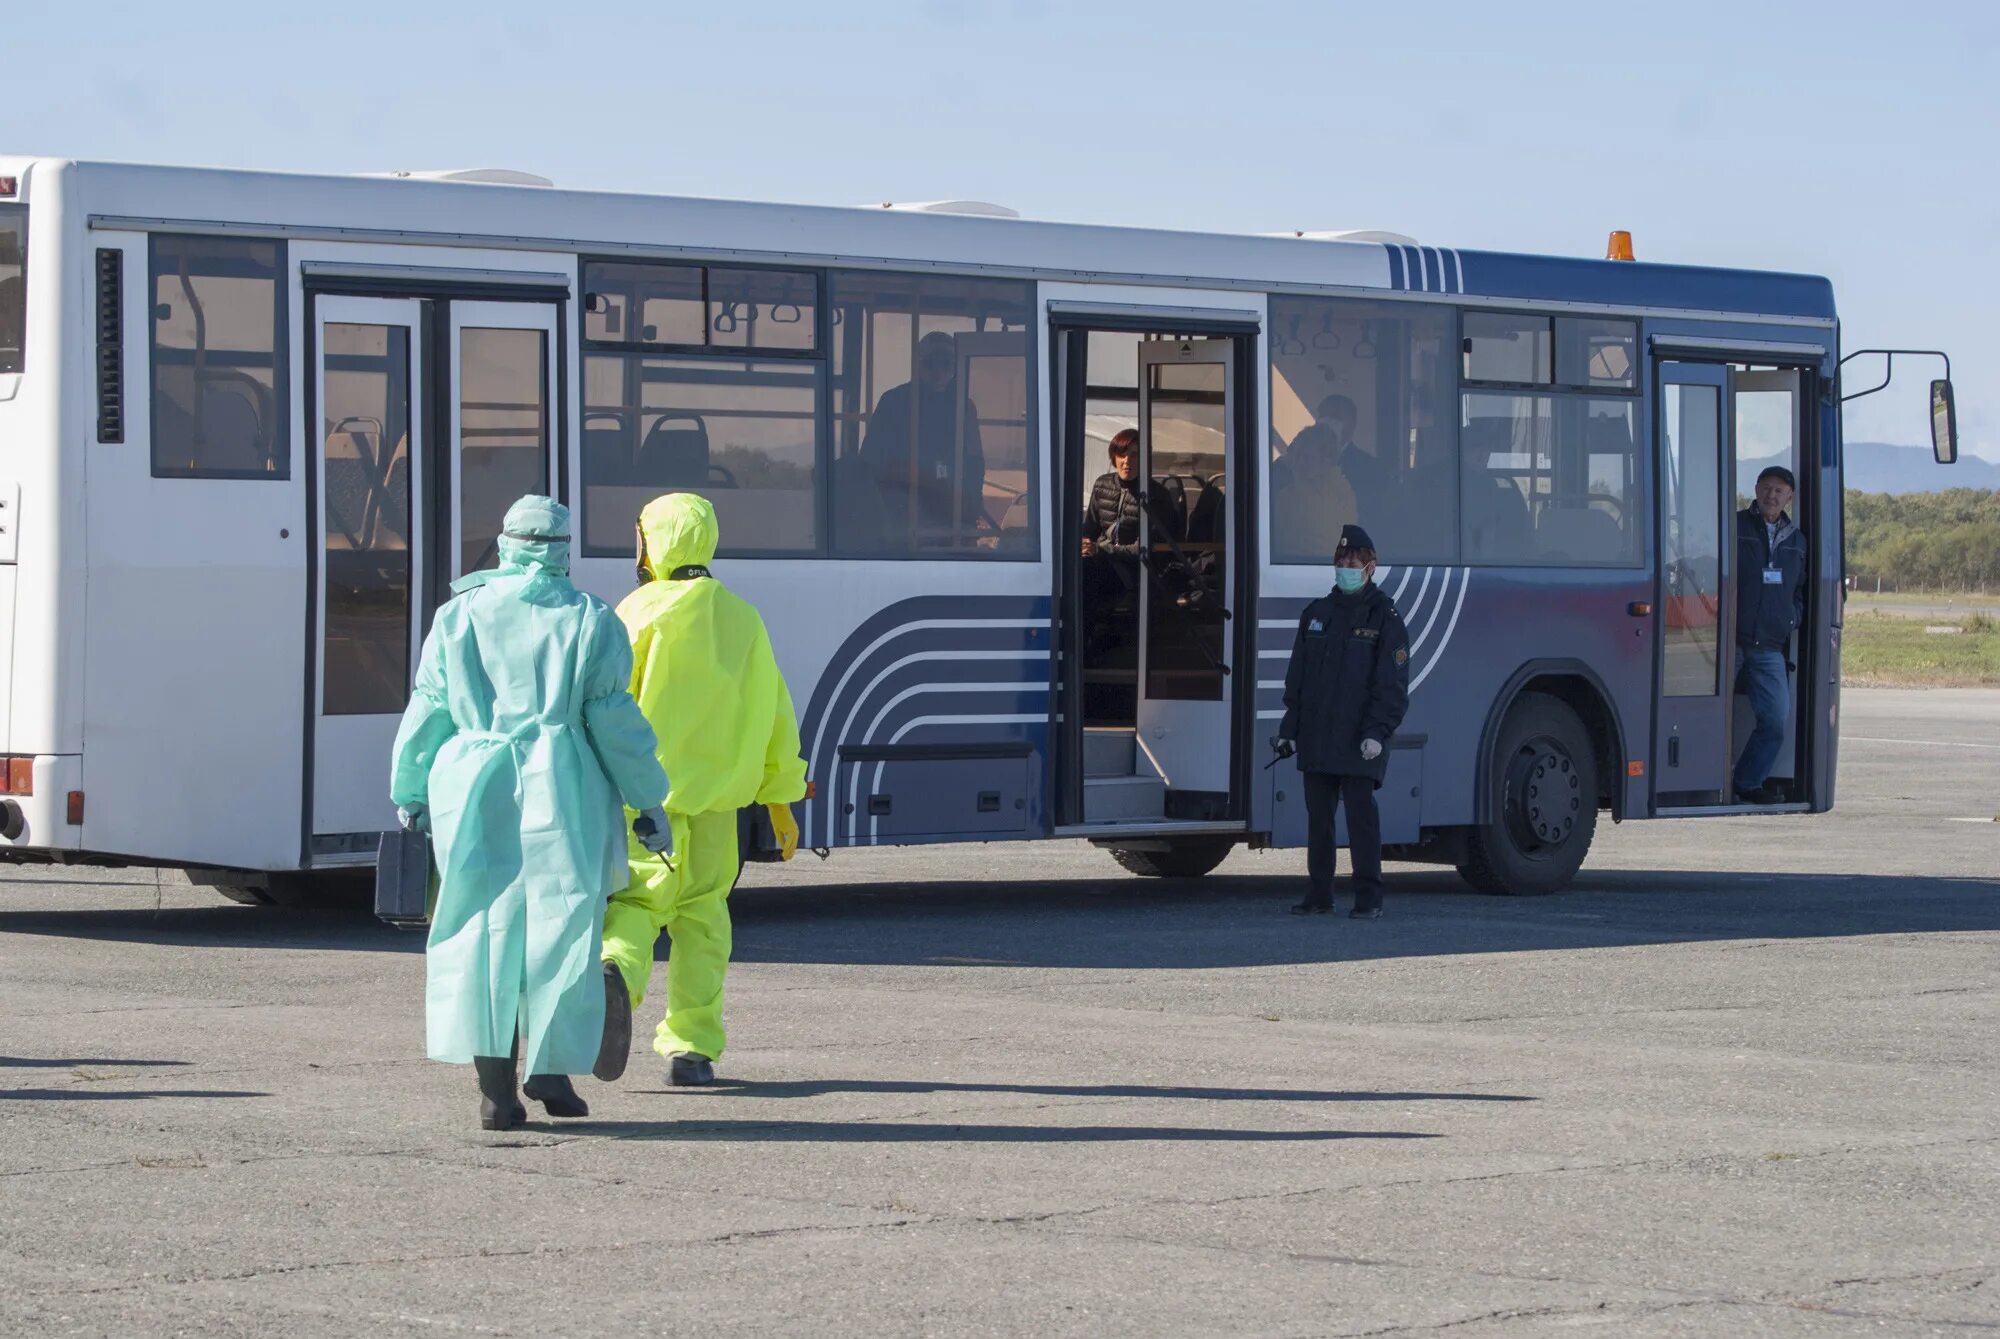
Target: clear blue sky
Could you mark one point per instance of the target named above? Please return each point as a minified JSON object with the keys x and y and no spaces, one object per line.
{"x":1848,"y":139}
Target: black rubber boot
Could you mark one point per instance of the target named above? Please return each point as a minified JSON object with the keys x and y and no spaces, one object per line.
{"x":499,"y":1107}
{"x":616,"y":1048}
{"x":688,"y":1070}
{"x":556,"y":1094}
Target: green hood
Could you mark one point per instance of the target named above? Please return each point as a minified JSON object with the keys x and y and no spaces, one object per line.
{"x":677,"y":530}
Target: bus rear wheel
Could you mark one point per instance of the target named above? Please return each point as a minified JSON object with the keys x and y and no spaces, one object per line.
{"x":1185,"y":858}
{"x":1542,"y":794}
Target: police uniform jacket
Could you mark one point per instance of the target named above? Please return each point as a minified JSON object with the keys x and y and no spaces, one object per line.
{"x":1349,"y":680}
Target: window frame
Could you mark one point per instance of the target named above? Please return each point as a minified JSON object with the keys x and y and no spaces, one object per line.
{"x":821,"y":324}
{"x":9,"y":210}
{"x":636,"y":359}
{"x":1453,"y":393}
{"x":1031,"y":427}
{"x":1643,"y":452}
{"x":281,"y":360}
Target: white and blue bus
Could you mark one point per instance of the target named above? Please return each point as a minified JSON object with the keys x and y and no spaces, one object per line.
{"x":252,"y":425}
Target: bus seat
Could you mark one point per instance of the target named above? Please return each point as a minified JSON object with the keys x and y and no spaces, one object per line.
{"x":607,"y":450}
{"x":1580,"y":533}
{"x":1205,"y":519}
{"x":674,"y":453}
{"x":1170,"y":505}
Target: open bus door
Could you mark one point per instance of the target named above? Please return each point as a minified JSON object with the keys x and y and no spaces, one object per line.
{"x":1692,"y":754}
{"x":1186,"y":446}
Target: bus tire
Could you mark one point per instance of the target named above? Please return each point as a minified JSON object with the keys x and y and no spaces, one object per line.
{"x":1542,"y":788}
{"x":1187,"y":858}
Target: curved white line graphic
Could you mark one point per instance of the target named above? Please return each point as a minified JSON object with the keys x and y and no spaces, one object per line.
{"x":1437,"y":609}
{"x":1449,"y":628}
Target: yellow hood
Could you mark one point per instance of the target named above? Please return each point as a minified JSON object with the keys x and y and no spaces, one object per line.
{"x":678,"y":530}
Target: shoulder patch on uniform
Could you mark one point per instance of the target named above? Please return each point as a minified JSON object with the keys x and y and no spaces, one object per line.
{"x":1402,"y":655}
{"x":1315,"y":626}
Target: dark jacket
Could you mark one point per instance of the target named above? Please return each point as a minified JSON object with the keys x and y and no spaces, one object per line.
{"x":1768,"y":612}
{"x":1349,"y":680}
{"x":925,"y":472}
{"x":1112,"y":517}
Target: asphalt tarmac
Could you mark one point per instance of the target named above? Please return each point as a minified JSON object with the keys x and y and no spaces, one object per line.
{"x":1743,"y":1079}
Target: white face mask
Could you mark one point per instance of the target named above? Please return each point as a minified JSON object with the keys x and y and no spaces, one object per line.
{"x":1350,"y":579}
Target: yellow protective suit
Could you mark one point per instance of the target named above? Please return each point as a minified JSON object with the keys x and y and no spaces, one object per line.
{"x":704,"y":675}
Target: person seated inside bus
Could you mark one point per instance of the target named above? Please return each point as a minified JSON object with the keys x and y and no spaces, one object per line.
{"x":923,"y":455}
{"x":1311,"y":496}
{"x":1770,"y":607}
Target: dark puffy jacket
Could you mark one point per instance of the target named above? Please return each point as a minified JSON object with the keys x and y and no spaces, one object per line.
{"x":1769,"y":612}
{"x":1349,"y":680}
{"x":1112,"y":516}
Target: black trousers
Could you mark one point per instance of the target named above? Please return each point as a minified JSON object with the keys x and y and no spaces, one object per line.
{"x":1364,"y":835}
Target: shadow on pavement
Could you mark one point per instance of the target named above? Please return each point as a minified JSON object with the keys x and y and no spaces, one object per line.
{"x":1241,"y":921}
{"x":1120,"y":923}
{"x":27,"y":1062}
{"x":109,"y":1095}
{"x":825,"y":1087}
{"x":887,"y":1132}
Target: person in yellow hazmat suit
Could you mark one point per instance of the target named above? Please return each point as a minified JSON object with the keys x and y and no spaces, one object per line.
{"x":517,"y":748}
{"x":704,"y":675}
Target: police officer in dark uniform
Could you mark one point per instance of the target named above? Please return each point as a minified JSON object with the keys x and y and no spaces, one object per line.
{"x":1346,"y":690}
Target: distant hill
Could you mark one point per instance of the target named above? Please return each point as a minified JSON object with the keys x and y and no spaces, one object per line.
{"x":1878,"y":467}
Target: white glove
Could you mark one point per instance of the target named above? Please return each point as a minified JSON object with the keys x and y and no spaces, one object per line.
{"x":414,"y":817}
{"x":1371,"y":749}
{"x":654,"y":832}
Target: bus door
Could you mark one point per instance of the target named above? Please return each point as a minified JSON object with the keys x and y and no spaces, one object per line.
{"x":1186,"y":460}
{"x":432,"y":417}
{"x":1692,"y":754}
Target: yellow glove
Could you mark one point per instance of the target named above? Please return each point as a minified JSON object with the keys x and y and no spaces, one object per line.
{"x":787,"y":829}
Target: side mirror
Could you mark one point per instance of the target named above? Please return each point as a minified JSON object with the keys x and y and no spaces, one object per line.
{"x":1944,"y":423}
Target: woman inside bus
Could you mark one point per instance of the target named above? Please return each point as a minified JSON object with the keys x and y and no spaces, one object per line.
{"x":518,"y":750}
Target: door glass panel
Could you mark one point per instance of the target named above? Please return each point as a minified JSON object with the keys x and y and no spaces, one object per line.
{"x":1691,"y":540}
{"x":503,"y":433}
{"x":366,"y":394}
{"x":1188,"y":454}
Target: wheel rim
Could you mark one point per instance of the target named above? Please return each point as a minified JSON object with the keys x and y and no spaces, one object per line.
{"x":1544,"y":798}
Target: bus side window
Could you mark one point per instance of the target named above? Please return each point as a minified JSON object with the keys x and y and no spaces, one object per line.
{"x":220,"y":407}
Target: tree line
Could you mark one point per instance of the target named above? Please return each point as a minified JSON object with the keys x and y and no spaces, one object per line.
{"x":1947,"y":541}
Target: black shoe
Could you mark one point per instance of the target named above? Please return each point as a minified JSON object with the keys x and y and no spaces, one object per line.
{"x":499,"y":1107}
{"x":556,"y":1094}
{"x":1752,"y":795}
{"x":1311,"y":907}
{"x":688,"y":1070}
{"x":616,"y":1047}
{"x":1365,"y":914}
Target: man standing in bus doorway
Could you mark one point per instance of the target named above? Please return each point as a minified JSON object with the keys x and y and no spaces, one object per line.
{"x":519,"y":742}
{"x":705,"y":677}
{"x":932,"y":479}
{"x":1770,"y":607}
{"x":1346,"y":689}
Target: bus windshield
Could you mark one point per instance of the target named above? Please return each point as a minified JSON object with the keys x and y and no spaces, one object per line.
{"x":13,"y":285}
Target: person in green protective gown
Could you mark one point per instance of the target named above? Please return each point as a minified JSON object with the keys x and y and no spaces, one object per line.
{"x":519,"y":752}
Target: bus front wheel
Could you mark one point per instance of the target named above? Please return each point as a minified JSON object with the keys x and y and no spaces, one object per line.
{"x":1542,"y":795}
{"x":1186,"y":858}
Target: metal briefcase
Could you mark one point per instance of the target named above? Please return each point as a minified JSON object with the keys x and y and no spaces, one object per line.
{"x":403,"y":877}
